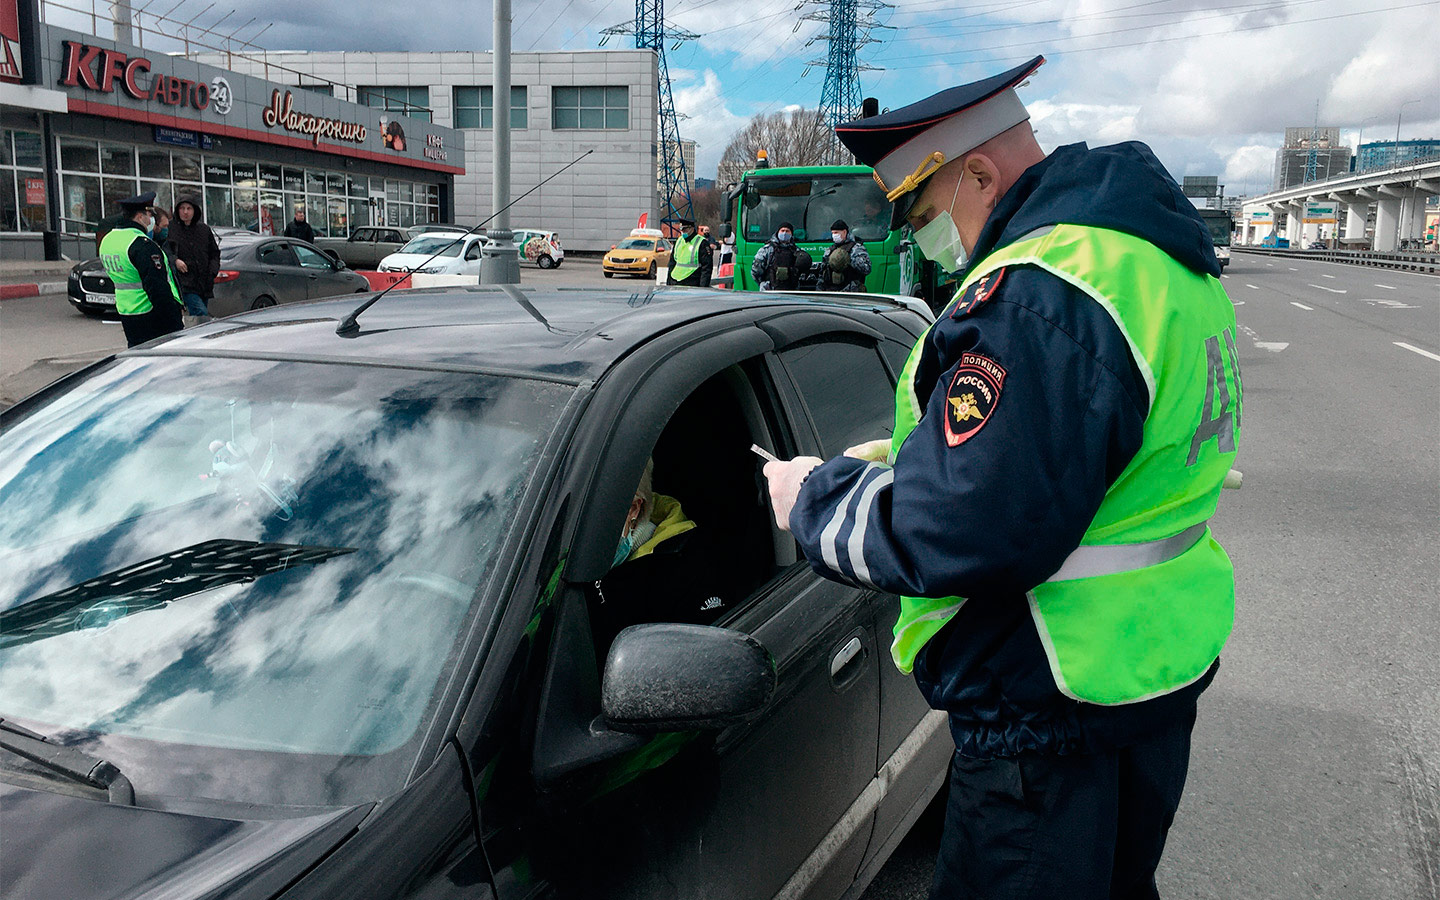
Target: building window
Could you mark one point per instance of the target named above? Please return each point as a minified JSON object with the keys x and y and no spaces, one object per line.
{"x":407,"y":101}
{"x":327,"y":89}
{"x":591,"y":107}
{"x":474,"y":106}
{"x":22,"y":182}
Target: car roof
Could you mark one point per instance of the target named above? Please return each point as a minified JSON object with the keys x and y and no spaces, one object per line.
{"x":562,"y":334}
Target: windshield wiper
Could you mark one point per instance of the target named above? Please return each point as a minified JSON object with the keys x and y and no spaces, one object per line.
{"x":153,"y":583}
{"x":67,"y":761}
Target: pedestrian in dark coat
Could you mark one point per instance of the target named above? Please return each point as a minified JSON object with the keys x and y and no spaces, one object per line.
{"x":299,"y":228}
{"x":196,"y":251}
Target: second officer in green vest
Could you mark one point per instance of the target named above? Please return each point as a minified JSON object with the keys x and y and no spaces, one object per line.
{"x":146,"y":295}
{"x":1061,"y":436}
{"x":692,"y":259}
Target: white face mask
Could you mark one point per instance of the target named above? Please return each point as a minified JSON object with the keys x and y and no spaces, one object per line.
{"x":940,"y":241}
{"x":837,"y":236}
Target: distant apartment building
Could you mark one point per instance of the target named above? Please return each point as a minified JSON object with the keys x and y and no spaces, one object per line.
{"x":1384,"y":154}
{"x":1293,"y":160}
{"x":687,"y":153}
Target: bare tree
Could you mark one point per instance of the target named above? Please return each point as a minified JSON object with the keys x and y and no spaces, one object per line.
{"x":791,"y":138}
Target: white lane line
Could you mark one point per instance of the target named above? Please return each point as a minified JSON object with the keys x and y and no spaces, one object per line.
{"x":1272,"y":346}
{"x":1323,"y":275}
{"x":1302,"y":306}
{"x":1223,"y":275}
{"x":1389,"y":304}
{"x":1253,"y":287}
{"x":1237,"y":302}
{"x":1322,"y":287}
{"x":1271,"y":265}
{"x":1385,"y":286}
{"x":1292,"y":268}
{"x":1417,"y":350}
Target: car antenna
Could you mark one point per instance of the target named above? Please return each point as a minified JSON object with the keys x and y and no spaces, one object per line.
{"x":349,"y":327}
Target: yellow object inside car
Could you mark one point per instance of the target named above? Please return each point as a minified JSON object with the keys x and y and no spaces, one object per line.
{"x":643,"y":252}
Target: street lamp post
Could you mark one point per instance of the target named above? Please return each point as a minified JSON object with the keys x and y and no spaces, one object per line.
{"x":1395,"y":151}
{"x":1360,"y":140}
{"x":1395,"y":161}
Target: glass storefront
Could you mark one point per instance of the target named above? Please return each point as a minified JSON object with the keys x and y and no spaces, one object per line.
{"x":22,"y":179}
{"x":260,"y":196}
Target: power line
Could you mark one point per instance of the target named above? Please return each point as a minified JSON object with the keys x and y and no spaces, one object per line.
{"x":1165,"y":40}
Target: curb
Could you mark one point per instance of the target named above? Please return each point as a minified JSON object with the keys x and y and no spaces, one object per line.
{"x":31,"y":289}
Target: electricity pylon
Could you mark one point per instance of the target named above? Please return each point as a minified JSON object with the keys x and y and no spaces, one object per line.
{"x":849,"y":26}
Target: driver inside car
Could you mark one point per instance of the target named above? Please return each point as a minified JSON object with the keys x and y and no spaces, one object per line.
{"x":666,"y":569}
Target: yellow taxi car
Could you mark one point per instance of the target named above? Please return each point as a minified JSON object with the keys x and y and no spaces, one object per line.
{"x":643,"y":252}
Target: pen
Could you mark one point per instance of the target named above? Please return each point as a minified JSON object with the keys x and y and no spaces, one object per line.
{"x":763,"y":453}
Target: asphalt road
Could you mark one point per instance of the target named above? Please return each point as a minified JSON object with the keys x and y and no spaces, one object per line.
{"x":1316,"y":763}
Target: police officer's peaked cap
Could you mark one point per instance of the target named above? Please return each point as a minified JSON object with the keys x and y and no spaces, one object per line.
{"x":907,"y":145}
{"x":685,"y":221}
{"x":137,"y":203}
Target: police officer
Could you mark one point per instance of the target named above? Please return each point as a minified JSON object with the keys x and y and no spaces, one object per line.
{"x":1061,"y":436}
{"x":846,"y":261}
{"x":692,"y":259}
{"x":146,"y":295}
{"x":778,"y":265}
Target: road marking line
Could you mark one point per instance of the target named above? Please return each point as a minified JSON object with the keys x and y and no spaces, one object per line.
{"x":1292,"y":268}
{"x":1322,"y":287}
{"x":1391,"y":304}
{"x":1237,"y":302}
{"x":1385,"y":286}
{"x":1223,"y":275}
{"x":1302,"y":306}
{"x":1323,"y":275}
{"x":1272,"y":346}
{"x":1252,"y":287}
{"x":1417,"y":350}
{"x":1271,"y":265}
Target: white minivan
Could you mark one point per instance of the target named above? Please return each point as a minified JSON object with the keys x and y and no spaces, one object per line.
{"x":459,"y":254}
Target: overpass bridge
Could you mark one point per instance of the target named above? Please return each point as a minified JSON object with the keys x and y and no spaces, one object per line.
{"x":1398,"y":194}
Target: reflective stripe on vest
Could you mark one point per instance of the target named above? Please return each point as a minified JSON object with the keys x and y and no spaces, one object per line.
{"x":130,"y":296}
{"x":1145,"y":604}
{"x":686,"y":259}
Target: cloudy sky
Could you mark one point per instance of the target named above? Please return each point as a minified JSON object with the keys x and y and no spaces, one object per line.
{"x":1210,"y":85}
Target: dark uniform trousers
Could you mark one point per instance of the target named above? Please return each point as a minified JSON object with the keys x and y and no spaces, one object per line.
{"x":158,"y":320}
{"x":1077,"y":827}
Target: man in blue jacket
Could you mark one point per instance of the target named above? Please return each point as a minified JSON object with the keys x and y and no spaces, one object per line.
{"x":1062,"y":434}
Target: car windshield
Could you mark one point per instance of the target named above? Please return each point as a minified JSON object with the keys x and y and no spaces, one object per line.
{"x":269,"y":558}
{"x":811,"y":204}
{"x":431,"y":244}
{"x":1220,"y":227}
{"x":636,"y":244}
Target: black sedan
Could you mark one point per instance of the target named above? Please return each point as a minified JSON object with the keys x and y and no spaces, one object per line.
{"x":255,"y":272}
{"x":297,"y":606}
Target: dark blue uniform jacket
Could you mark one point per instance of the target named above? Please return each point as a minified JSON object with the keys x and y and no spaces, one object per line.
{"x":996,"y":513}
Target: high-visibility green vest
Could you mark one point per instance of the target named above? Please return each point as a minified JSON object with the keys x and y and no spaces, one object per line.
{"x":686,"y":260}
{"x":130,"y":296}
{"x":1146,"y":602}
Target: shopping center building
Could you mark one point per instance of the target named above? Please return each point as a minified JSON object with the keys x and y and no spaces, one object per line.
{"x":562,"y":104}
{"x":85,"y":122}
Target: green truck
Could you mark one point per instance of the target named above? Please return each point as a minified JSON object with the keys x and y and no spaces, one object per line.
{"x":810,"y":198}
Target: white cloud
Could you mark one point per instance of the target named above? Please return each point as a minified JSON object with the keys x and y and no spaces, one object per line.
{"x":710,"y":122}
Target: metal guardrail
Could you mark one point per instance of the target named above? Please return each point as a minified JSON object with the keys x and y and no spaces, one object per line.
{"x":1426,"y":263}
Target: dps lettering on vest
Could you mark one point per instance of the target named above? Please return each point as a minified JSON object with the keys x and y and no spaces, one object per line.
{"x":1146,"y":602}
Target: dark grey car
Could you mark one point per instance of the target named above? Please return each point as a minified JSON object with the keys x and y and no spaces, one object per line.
{"x":320,"y":590}
{"x":256,"y":272}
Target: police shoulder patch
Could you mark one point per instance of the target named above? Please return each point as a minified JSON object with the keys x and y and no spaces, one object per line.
{"x":973,"y":395}
{"x":158,"y":260}
{"x":978,"y":293}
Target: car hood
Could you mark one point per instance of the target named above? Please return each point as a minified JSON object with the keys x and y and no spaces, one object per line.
{"x":56,"y":845}
{"x":413,"y":260}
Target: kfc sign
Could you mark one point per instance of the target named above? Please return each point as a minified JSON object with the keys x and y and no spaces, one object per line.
{"x":100,"y":69}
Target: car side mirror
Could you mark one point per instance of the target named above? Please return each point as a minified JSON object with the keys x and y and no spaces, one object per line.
{"x":335,"y":259}
{"x":674,"y":677}
{"x":725,"y":231}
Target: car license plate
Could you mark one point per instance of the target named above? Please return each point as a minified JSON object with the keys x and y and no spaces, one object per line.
{"x":100,"y":299}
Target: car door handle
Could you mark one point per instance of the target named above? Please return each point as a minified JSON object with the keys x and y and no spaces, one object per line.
{"x":847,"y":655}
{"x":311,"y":276}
